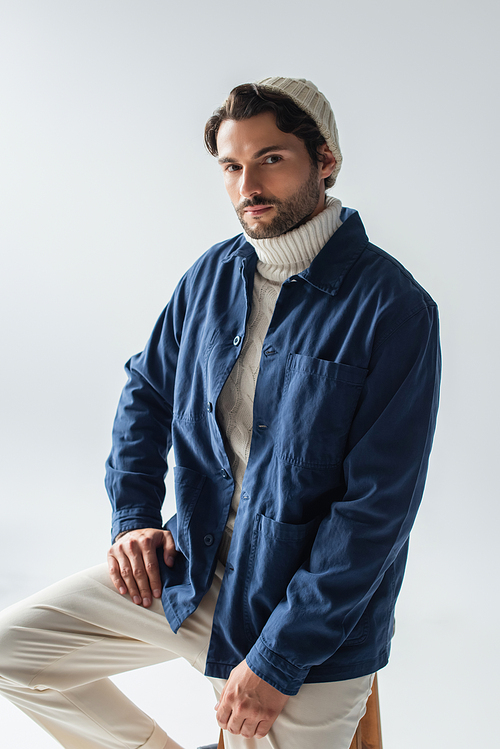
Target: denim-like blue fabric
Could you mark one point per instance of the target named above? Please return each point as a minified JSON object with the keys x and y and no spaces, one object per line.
{"x":344,"y":414}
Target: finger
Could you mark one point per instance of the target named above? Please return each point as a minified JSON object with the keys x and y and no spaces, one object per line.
{"x":223,"y":714}
{"x":235,"y":723}
{"x":169,"y":550}
{"x":114,"y":573}
{"x":153,"y":572}
{"x":140,"y":573}
{"x":248,"y":729}
{"x":263,"y":728}
{"x":142,"y":581}
{"x":129,"y":579}
{"x":130,"y":570}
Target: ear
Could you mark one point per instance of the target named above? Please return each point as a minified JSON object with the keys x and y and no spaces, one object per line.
{"x":328,"y":161}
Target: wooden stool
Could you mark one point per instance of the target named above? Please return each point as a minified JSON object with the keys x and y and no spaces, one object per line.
{"x":368,"y":733}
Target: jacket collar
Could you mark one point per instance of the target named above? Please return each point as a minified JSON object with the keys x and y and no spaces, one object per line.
{"x":332,"y":263}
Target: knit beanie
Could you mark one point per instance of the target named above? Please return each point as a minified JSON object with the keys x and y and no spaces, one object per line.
{"x":307,"y":97}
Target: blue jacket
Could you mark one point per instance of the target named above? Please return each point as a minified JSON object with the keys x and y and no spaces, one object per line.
{"x":344,"y":414}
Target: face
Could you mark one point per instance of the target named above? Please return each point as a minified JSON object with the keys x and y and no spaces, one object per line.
{"x":270,"y":179}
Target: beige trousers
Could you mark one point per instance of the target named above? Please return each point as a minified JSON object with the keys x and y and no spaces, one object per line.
{"x":58,"y":648}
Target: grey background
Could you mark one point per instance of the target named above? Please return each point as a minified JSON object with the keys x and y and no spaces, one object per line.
{"x":107,"y":196}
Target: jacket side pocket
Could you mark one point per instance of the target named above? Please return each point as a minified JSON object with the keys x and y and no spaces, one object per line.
{"x":276,"y":553}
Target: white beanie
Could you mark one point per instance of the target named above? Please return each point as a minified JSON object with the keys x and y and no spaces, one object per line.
{"x":307,"y":97}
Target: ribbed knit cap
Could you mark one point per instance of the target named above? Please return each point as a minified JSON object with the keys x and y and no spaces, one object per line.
{"x":308,"y":98}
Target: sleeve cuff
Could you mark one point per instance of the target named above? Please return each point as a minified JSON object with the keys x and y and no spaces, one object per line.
{"x":128,"y":521}
{"x":275,"y":670}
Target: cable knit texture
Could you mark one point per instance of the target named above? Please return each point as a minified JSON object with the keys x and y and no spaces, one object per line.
{"x":279,"y":258}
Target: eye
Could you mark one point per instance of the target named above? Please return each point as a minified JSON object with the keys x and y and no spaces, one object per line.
{"x":273,"y":159}
{"x":232,"y":168}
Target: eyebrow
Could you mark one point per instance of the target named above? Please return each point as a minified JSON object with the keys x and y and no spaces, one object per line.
{"x":256,"y":155}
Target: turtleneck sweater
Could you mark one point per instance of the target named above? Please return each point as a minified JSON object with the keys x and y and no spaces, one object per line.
{"x":278,"y":259}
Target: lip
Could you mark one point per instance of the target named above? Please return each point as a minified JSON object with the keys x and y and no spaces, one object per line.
{"x":257,"y":210}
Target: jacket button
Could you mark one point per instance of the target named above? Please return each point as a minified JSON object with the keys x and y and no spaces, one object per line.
{"x":209,"y":407}
{"x":237,"y":340}
{"x":208,"y":539}
{"x":245,"y":496}
{"x":224,"y":474}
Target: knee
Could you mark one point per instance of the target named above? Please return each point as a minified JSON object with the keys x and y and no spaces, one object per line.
{"x":16,"y":640}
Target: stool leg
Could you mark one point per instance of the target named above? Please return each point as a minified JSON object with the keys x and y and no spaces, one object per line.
{"x":369,"y":732}
{"x":220,"y":745}
{"x":356,"y":740}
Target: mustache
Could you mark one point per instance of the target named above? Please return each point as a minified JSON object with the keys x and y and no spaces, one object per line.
{"x":258,"y":200}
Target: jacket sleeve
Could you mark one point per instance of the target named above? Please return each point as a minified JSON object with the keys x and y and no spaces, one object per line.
{"x":137,"y":464}
{"x":384,"y":471}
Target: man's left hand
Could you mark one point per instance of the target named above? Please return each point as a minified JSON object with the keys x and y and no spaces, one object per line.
{"x":248,"y":705}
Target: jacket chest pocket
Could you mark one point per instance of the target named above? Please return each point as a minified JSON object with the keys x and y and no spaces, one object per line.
{"x":318,"y":404}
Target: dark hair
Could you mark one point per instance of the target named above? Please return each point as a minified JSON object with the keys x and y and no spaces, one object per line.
{"x":249,"y":99}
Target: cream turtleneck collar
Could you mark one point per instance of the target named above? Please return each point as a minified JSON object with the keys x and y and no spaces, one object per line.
{"x":290,"y":253}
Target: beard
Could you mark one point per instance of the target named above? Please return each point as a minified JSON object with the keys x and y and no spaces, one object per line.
{"x":290,"y":213}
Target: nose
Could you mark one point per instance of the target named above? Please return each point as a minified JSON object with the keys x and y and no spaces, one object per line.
{"x":249,"y":184}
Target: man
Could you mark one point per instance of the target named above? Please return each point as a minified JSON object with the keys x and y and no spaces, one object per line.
{"x":295,"y":374}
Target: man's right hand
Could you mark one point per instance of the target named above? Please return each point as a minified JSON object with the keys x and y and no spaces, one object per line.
{"x":133,"y":564}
